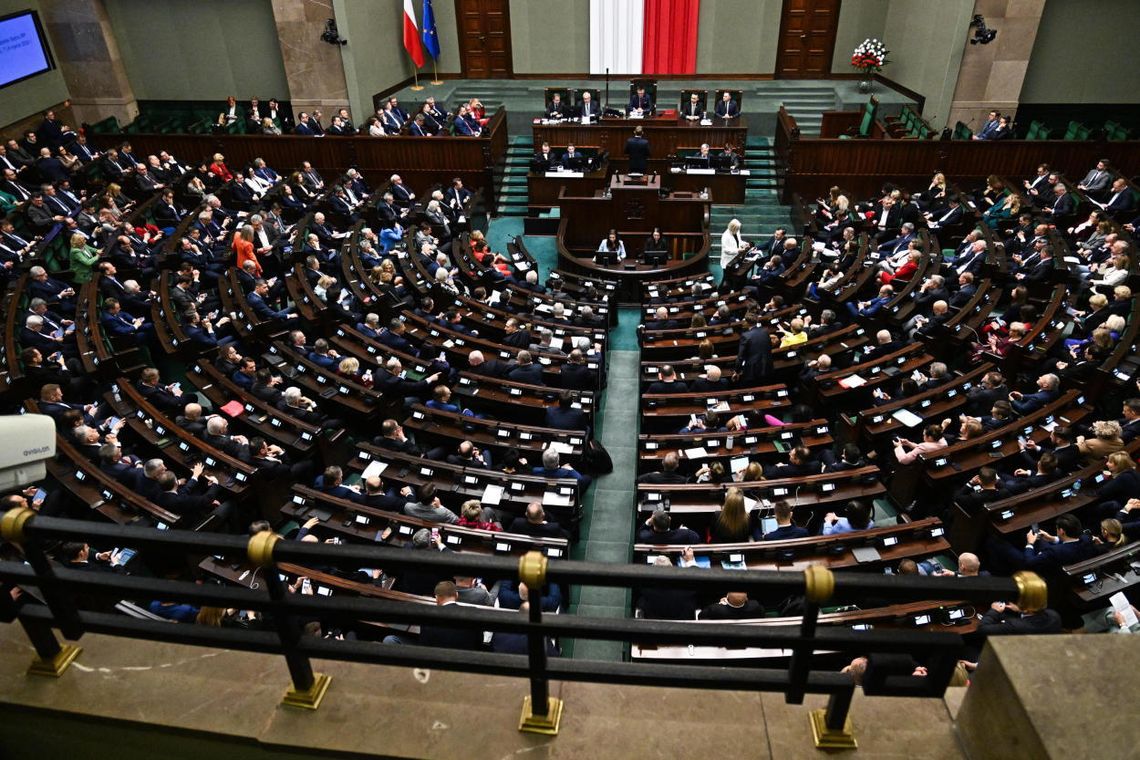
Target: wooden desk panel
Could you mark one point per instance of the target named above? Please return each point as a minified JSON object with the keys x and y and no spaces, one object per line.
{"x":665,"y":135}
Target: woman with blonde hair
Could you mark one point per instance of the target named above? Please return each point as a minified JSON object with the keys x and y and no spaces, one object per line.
{"x":731,"y":244}
{"x":731,"y":523}
{"x":84,"y":257}
{"x":219,"y":169}
{"x":1107,"y":440}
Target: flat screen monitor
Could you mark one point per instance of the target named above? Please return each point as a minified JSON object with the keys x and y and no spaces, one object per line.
{"x":23,"y":49}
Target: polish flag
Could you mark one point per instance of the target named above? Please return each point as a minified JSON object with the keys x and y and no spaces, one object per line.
{"x":412,"y":35}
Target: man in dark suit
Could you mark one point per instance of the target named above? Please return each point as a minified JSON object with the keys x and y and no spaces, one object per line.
{"x":572,"y":160}
{"x":659,"y":530}
{"x":668,"y":472}
{"x":754,"y":355}
{"x":564,"y":416}
{"x":438,"y":635}
{"x":544,"y":160}
{"x":165,"y":398}
{"x":948,"y":218}
{"x":637,"y":148}
{"x":526,"y":370}
{"x":193,"y":500}
{"x":587,"y":109}
{"x":735,"y":605}
{"x":726,"y":107}
{"x":556,"y":109}
{"x":1048,"y":389}
{"x":576,"y":375}
{"x":640,"y":103}
{"x":1004,"y":619}
{"x":1044,"y":552}
{"x":659,"y":603}
{"x":1062,"y":204}
{"x":479,"y":365}
{"x":535,"y":524}
{"x":1120,"y":198}
{"x":694,"y":109}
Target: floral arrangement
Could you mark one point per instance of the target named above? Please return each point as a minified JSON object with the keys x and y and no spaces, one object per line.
{"x":870,"y":56}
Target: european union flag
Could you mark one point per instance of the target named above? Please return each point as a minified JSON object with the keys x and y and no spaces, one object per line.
{"x":431,"y":39}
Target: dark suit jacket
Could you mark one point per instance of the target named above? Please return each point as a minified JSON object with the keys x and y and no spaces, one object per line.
{"x":577,"y":377}
{"x":545,"y":530}
{"x":566,"y":419}
{"x":754,"y":355}
{"x":996,"y":623}
{"x":450,"y":638}
{"x":637,"y":148}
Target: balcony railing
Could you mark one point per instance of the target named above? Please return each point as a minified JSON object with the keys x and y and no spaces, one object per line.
{"x":66,"y":591}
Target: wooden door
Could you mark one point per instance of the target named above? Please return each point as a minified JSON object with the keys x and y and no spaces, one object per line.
{"x":807,"y":39}
{"x":485,"y":38}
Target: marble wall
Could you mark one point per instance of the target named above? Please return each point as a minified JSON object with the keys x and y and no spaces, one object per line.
{"x":314,"y":68}
{"x":89,"y":60}
{"x":991,"y":76}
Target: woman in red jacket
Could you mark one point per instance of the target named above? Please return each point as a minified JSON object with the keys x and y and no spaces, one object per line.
{"x":219,"y":168}
{"x":905,"y":271}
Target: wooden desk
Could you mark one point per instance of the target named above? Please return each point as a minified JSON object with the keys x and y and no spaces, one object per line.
{"x":544,"y":188}
{"x":665,"y":135}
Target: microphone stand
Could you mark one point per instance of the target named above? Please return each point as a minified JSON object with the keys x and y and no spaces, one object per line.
{"x":607,"y":90}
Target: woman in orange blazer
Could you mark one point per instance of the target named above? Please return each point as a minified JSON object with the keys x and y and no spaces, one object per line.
{"x":243,"y":247}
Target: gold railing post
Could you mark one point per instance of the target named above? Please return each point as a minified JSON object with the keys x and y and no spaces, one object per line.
{"x":541,"y":713}
{"x":308,"y":688}
{"x":52,"y":657}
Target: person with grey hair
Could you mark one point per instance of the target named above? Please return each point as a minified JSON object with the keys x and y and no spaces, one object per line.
{"x":1048,"y":390}
{"x":551,"y":468}
{"x":545,"y":343}
{"x":218,"y":436}
{"x":531,"y":283}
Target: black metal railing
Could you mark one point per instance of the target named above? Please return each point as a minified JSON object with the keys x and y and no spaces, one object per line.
{"x":60,"y":587}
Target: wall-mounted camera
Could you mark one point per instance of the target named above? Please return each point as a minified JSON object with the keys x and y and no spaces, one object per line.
{"x":331,"y":34}
{"x":983,"y":35}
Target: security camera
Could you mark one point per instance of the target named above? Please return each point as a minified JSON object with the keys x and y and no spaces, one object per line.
{"x":31,"y":440}
{"x":331,"y":34}
{"x":983,"y":35}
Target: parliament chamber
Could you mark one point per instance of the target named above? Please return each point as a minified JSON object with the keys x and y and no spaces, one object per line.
{"x":783,"y":389}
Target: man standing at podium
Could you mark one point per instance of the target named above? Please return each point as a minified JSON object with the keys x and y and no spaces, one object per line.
{"x":727,"y":108}
{"x":639,"y":103}
{"x":637,"y":148}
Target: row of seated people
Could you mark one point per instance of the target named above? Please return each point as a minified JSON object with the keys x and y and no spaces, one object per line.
{"x":429,"y":119}
{"x":217,"y":469}
{"x":994,"y":403}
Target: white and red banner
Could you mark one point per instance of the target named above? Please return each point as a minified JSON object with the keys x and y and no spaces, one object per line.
{"x":644,"y":36}
{"x":412,"y":35}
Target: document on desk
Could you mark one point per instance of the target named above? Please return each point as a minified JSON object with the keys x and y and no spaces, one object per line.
{"x":561,"y":448}
{"x":906,"y":417}
{"x":737,"y":464}
{"x":374,"y":469}
{"x":700,"y":171}
{"x":697,"y":452}
{"x":555,"y":499}
{"x":492,"y":494}
{"x":1120,"y":604}
{"x":721,"y":407}
{"x":852,"y":381}
{"x":865,"y":554}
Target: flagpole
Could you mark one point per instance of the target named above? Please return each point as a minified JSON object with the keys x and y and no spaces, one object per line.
{"x":435,"y":80}
{"x":416,"y":73}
